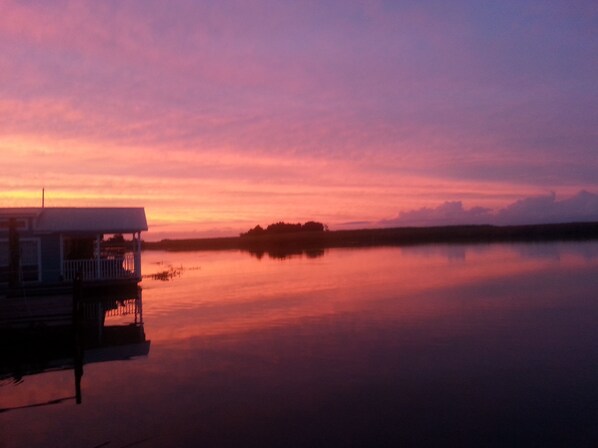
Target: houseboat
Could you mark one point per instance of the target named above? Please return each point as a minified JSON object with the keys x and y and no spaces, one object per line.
{"x":45,"y":249}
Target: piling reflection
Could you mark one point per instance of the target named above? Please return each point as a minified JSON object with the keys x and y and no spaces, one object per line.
{"x":57,"y":333}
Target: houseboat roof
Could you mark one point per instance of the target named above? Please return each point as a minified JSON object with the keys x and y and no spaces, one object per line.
{"x":82,"y":220}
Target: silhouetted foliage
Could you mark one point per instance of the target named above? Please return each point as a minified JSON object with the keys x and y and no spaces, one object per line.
{"x":115,"y":246}
{"x":257,"y":230}
{"x":283,"y":227}
{"x":117,"y":238}
{"x":313,"y":226}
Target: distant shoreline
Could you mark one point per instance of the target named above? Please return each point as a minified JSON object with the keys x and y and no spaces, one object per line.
{"x":396,"y":236}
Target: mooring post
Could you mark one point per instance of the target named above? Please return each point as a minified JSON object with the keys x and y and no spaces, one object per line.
{"x":76,"y":298}
{"x":78,"y":345}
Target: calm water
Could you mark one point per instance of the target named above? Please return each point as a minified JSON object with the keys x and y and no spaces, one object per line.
{"x":426,"y":346}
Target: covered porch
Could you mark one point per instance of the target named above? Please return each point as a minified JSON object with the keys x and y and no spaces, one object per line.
{"x":100,"y":257}
{"x":102,"y":245}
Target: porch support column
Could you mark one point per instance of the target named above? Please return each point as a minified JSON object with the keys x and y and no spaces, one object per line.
{"x":61,"y":257}
{"x":98,"y":264}
{"x":137,"y":240}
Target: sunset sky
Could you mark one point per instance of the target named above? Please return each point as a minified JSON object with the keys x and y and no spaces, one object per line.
{"x":220,"y":115}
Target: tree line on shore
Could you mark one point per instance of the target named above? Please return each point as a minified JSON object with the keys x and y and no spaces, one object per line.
{"x":394,"y":236}
{"x":283,"y":227}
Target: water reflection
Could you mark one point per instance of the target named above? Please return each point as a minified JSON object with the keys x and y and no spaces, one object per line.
{"x":543,"y":250}
{"x":483,"y":345}
{"x":60,"y":333}
{"x":282,"y":253}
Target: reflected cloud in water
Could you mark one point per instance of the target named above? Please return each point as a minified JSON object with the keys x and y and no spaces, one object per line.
{"x":542,"y":250}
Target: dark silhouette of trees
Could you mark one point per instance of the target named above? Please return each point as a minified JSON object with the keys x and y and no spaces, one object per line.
{"x":117,"y":238}
{"x":312,"y":226}
{"x":257,"y":230}
{"x":283,"y":227}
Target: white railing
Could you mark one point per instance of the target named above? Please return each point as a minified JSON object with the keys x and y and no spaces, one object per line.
{"x":102,"y":269}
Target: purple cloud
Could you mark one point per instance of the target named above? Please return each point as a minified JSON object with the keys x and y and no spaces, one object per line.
{"x":582,"y":207}
{"x":449,"y":213}
{"x":547,"y":209}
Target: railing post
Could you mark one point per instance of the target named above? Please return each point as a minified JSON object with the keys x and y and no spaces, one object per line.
{"x":98,"y":259}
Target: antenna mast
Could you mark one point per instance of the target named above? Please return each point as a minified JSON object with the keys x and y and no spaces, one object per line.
{"x":43,"y":197}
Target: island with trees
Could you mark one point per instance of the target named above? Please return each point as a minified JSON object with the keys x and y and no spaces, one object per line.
{"x":283,"y":227}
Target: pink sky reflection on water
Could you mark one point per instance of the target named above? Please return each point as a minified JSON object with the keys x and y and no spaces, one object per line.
{"x":231,"y":292}
{"x":237,"y":341}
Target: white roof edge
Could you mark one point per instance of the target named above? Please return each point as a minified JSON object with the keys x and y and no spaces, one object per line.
{"x":83,"y":219}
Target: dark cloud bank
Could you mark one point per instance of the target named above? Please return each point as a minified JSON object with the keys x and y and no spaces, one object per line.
{"x":582,"y":207}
